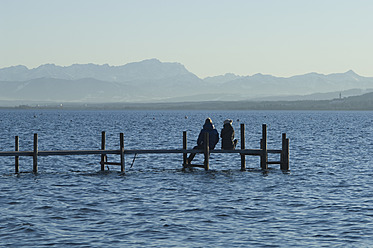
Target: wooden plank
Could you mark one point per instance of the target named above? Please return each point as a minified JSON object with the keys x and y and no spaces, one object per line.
{"x":274,"y":162}
{"x":93,"y":152}
{"x":274,"y":151}
{"x":16,"y":153}
{"x":76,"y":152}
{"x":112,"y":163}
{"x":157,"y":151}
{"x":255,"y":152}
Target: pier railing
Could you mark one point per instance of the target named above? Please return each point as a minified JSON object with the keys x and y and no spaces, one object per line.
{"x":262,"y":152}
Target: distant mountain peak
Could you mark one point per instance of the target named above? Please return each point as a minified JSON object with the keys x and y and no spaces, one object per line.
{"x":47,"y":65}
{"x":222,"y":78}
{"x":231,"y":74}
{"x":351,"y":72}
{"x":14,"y":67}
{"x":260,"y":75}
{"x":148,"y":61}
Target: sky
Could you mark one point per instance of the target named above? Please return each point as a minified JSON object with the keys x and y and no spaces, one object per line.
{"x":209,"y":37}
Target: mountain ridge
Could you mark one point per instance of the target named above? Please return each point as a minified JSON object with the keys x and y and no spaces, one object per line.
{"x":5,"y":72}
{"x":152,"y":80}
{"x":150,"y":68}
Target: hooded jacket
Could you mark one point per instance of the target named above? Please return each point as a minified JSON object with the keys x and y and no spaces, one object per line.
{"x":213,"y":135}
{"x":227,"y":137}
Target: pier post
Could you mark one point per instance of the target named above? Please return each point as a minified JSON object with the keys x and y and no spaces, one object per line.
{"x":185,"y":155}
{"x":16,"y":158}
{"x":206,"y":150}
{"x":103,"y":157}
{"x":243,"y":157}
{"x":263,"y":146}
{"x":285,"y":153}
{"x":121,"y":152}
{"x":35,"y":154}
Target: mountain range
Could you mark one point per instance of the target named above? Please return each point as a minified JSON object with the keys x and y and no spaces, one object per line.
{"x":156,"y":81}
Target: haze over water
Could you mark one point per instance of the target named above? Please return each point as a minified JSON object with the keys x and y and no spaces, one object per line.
{"x":324,"y":201}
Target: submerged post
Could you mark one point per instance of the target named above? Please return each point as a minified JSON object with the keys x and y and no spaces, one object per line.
{"x":35,"y":154}
{"x":206,"y":150}
{"x":263,"y":146}
{"x":121,"y":152}
{"x":243,"y":158}
{"x":285,"y":153}
{"x":184,"y":148}
{"x":16,"y":164}
{"x":103,"y":140}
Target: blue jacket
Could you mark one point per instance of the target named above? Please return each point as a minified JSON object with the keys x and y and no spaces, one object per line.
{"x":213,"y":135}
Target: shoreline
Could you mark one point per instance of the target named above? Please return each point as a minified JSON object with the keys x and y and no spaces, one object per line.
{"x":335,"y":104}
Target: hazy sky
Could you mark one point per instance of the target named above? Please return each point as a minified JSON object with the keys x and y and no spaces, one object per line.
{"x":209,"y":37}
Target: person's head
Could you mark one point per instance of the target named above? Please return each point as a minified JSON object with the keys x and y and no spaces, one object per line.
{"x":228,"y":121}
{"x":208,"y":121}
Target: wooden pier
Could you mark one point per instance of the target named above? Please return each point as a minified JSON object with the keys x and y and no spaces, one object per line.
{"x":262,"y":152}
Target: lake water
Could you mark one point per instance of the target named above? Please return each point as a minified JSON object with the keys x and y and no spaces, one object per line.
{"x":325,"y":200}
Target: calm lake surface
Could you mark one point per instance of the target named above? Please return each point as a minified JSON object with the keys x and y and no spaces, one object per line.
{"x":325,"y":200}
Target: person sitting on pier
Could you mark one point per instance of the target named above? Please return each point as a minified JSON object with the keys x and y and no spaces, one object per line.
{"x":227,"y":136}
{"x":213,"y":138}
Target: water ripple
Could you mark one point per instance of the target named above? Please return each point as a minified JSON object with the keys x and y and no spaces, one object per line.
{"x":324,"y":201}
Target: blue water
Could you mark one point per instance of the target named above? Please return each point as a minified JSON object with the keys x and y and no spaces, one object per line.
{"x":325,"y":200}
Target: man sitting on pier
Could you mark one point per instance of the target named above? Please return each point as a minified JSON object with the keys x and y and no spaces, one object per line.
{"x":213,"y":138}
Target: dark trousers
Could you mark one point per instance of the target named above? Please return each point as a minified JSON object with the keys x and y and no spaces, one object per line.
{"x":192,"y":155}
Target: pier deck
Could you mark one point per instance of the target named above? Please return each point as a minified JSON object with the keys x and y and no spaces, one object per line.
{"x":262,"y":152}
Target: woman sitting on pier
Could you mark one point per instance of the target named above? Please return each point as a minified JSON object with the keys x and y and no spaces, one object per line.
{"x":227,"y":136}
{"x":213,"y":138}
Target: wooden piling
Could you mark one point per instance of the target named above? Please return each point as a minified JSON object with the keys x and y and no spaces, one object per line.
{"x":16,"y":158}
{"x":121,"y":152}
{"x":35,"y":154}
{"x":206,"y":151}
{"x":103,"y":141}
{"x":243,"y":157}
{"x":185,"y":155}
{"x":263,"y":146}
{"x":285,"y":153}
